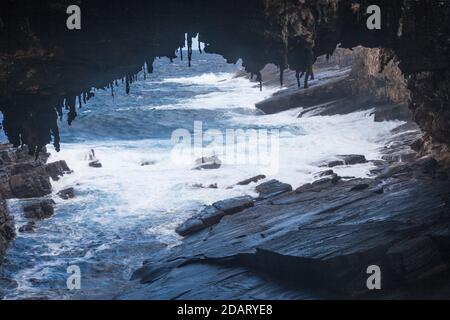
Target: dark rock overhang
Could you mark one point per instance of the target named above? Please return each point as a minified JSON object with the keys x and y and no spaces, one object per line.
{"x":45,"y":68}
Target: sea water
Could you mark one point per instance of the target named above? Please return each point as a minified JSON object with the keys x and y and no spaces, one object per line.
{"x":125,"y":211}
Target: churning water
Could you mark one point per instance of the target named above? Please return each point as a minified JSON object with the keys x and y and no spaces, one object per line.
{"x":124,"y":211}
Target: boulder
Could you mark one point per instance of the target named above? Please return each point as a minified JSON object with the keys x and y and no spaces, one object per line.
{"x":393,"y":171}
{"x":211,"y":215}
{"x":319,"y":185}
{"x":95,"y":164}
{"x":190,"y":226}
{"x":336,"y":163}
{"x":251,"y":180}
{"x":22,"y":176}
{"x":66,"y":194}
{"x":201,"y":186}
{"x":234,"y":205}
{"x":148,"y":163}
{"x":41,"y":210}
{"x":325,"y":173}
{"x":30,"y":185}
{"x":400,"y":157}
{"x":57,"y":169}
{"x":207,"y":217}
{"x":348,"y":160}
{"x":208,"y":163}
{"x":21,"y":168}
{"x":351,"y":159}
{"x":28,"y":228}
{"x":272,"y":188}
{"x":417,"y":260}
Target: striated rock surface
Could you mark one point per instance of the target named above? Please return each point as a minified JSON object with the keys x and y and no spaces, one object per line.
{"x":319,"y":240}
{"x":318,"y":244}
{"x":348,"y":159}
{"x":365,"y":81}
{"x":212,"y":215}
{"x":272,"y":188}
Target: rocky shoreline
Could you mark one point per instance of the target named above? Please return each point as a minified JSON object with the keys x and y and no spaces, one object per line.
{"x":23,"y":176}
{"x":318,"y":240}
{"x":313,"y":241}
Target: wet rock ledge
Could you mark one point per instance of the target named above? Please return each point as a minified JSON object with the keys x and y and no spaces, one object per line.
{"x":6,"y":229}
{"x":22,"y":176}
{"x":316,"y":241}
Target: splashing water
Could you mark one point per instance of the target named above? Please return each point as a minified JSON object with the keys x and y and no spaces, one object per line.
{"x":129,"y":208}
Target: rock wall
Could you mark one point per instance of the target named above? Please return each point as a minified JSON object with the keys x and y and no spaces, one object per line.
{"x":375,"y":76}
{"x":376,"y":72}
{"x":23,"y":176}
{"x":6,"y":229}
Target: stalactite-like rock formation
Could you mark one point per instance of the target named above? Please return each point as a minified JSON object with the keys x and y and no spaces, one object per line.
{"x":45,"y":68}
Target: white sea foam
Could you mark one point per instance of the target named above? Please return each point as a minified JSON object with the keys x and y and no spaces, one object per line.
{"x":231,"y":92}
{"x":167,"y":189}
{"x":208,"y":79}
{"x":164,"y":188}
{"x":115,"y":202}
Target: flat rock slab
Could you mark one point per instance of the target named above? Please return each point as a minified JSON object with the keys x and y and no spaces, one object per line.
{"x":206,"y":218}
{"x":208,"y":163}
{"x":251,"y":180}
{"x":325,"y":173}
{"x":57,"y":169}
{"x":234,"y":205}
{"x":30,"y":227}
{"x":190,"y":226}
{"x":272,"y":188}
{"x":212,"y":215}
{"x":215,"y":283}
{"x":348,"y":160}
{"x":317,"y":242}
{"x":95,"y":164}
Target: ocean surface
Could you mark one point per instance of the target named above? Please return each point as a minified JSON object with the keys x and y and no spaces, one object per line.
{"x":125,"y":210}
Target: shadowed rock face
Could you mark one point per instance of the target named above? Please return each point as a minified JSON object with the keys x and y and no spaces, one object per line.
{"x":6,"y":229}
{"x":319,"y":239}
{"x":44,"y":68}
{"x":25,"y":177}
